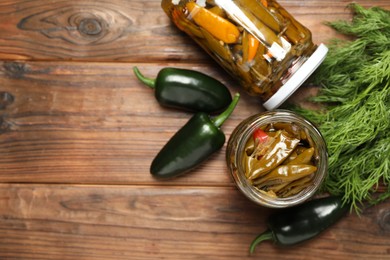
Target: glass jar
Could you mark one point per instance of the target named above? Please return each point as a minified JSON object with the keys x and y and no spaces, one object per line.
{"x":257,"y":41}
{"x":238,"y":165}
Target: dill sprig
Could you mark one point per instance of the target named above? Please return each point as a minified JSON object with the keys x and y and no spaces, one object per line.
{"x":355,"y":93}
{"x":361,"y":172}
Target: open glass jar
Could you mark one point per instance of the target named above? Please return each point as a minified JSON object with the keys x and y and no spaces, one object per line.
{"x":257,"y":41}
{"x":277,"y":158}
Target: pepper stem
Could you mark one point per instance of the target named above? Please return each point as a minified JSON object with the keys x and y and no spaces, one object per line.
{"x":267,"y":235}
{"x":147,"y":81}
{"x":219,"y":120}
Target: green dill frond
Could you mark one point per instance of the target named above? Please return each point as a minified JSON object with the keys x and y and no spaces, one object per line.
{"x":378,"y":71}
{"x":339,"y":71}
{"x":365,"y":22}
{"x":355,"y":94}
{"x":359,"y":175}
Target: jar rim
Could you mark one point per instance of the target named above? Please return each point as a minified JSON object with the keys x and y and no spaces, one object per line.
{"x":297,"y":78}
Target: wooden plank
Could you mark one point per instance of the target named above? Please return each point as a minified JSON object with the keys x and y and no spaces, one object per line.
{"x":69,"y":128}
{"x":88,"y":30}
{"x":94,"y":123}
{"x":126,"y":222}
{"x":124,"y":30}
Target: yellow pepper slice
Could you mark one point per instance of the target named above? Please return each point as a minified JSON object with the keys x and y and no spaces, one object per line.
{"x":219,"y":27}
{"x":253,"y":44}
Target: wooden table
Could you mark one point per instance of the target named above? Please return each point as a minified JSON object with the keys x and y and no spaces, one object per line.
{"x":78,"y":133}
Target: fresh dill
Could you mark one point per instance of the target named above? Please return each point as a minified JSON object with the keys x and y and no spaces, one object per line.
{"x":354,"y":82}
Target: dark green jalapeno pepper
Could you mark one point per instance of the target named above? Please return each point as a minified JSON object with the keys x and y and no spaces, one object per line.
{"x":200,"y":137}
{"x":188,"y":90}
{"x":300,"y":223}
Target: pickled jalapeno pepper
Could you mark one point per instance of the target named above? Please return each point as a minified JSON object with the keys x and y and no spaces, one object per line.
{"x":258,"y":42}
{"x":279,"y":159}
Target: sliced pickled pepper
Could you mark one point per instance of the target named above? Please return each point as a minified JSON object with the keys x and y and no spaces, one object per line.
{"x":291,"y":128}
{"x":264,"y":2}
{"x":221,"y":51}
{"x":219,"y":27}
{"x":296,"y":186}
{"x":278,"y":151}
{"x":295,"y":31}
{"x":283,"y":188}
{"x":277,"y":188}
{"x":265,"y":34}
{"x":292,"y":156}
{"x":184,"y":25}
{"x":304,"y":157}
{"x":248,"y":162}
{"x":250,"y":147}
{"x":261,"y":12}
{"x":218,"y":11}
{"x":251,"y":44}
{"x":286,"y":173}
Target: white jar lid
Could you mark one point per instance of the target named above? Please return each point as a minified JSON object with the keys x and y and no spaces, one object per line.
{"x":296,"y":79}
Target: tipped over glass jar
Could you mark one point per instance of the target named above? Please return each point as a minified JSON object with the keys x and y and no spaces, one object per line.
{"x":277,"y":159}
{"x":257,"y":41}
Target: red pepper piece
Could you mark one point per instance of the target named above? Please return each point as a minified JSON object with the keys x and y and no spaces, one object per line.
{"x":260,"y":136}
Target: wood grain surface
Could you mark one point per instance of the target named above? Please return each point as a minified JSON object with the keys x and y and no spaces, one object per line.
{"x":78,"y":133}
{"x":125,"y":30}
{"x":143,"y":222}
{"x":94,"y":123}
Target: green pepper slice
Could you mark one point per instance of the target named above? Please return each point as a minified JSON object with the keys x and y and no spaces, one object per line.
{"x":278,"y":151}
{"x":304,"y":157}
{"x":285,"y":173}
{"x":261,"y":13}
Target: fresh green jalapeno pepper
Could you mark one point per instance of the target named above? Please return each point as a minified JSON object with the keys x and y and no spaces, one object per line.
{"x":188,"y":90}
{"x":300,"y":223}
{"x":200,"y":137}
